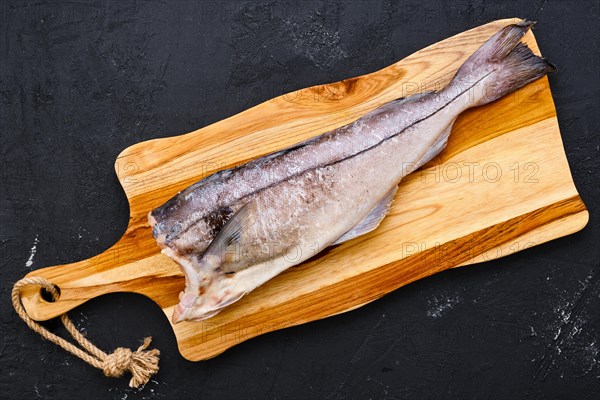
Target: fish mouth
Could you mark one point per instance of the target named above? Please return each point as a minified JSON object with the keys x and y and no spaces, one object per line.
{"x":205,"y":294}
{"x":189,"y":296}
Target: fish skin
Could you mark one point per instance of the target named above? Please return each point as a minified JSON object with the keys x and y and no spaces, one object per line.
{"x":189,"y":221}
{"x":238,"y":228}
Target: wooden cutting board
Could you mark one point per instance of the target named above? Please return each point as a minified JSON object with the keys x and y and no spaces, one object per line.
{"x":503,"y":184}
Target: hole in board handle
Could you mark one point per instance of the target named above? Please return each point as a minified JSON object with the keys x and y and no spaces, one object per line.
{"x":47,"y":296}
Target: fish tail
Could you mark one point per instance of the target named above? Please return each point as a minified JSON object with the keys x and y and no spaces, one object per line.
{"x":501,"y":65}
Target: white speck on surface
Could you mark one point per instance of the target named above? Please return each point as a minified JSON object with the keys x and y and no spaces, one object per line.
{"x":558,"y":333}
{"x":574,"y":331}
{"x":441,"y":304}
{"x":319,"y":44}
{"x":80,"y":324}
{"x":32,"y":252}
{"x":591,"y":357}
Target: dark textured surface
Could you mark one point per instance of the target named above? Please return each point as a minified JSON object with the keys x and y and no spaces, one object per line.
{"x":79,"y":82}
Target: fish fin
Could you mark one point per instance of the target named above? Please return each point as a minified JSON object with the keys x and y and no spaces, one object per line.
{"x":372,"y":220}
{"x":229,"y":236}
{"x":502,"y":65}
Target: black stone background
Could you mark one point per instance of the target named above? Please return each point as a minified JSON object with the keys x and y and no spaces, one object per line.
{"x":81,"y":81}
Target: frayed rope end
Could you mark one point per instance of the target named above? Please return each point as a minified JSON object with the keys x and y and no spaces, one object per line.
{"x":141,"y":363}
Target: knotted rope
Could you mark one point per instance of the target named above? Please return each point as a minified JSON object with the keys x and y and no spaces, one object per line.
{"x":141,"y":363}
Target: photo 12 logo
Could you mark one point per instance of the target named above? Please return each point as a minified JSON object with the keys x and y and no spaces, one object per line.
{"x":475,"y":171}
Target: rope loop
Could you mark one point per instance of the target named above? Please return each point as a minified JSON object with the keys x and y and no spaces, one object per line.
{"x":142,"y":363}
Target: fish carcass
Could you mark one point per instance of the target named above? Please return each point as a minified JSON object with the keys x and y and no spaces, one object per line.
{"x":240,"y":227}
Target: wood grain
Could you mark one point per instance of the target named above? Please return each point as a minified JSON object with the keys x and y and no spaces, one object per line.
{"x":503,"y":184}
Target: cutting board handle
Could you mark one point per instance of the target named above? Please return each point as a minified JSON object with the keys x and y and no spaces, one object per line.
{"x":131,"y":265}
